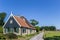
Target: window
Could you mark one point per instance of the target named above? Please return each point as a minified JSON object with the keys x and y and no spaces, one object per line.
{"x":24,"y":30}
{"x":8,"y":29}
{"x":16,"y":29}
{"x":30,"y":30}
{"x":11,"y":30}
{"x":11,"y":21}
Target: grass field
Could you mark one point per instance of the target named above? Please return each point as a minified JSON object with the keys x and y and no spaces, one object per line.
{"x":52,"y":35}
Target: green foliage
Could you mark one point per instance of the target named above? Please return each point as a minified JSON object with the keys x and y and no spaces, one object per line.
{"x":48,"y":28}
{"x":2,"y":37}
{"x":34,"y":22}
{"x":26,"y":37}
{"x":11,"y":36}
{"x":37,"y":28}
{"x":1,"y":29}
{"x":2,"y":17}
{"x":52,"y":35}
{"x":31,"y":35}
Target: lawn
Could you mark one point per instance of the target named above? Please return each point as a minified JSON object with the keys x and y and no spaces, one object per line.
{"x":52,"y":35}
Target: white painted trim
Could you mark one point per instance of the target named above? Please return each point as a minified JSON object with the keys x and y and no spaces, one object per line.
{"x":16,"y":21}
{"x":9,"y":18}
{"x":11,"y":13}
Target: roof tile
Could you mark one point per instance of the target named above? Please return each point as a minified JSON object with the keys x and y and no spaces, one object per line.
{"x":24,"y":22}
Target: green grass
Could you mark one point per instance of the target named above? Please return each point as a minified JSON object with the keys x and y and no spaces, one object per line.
{"x":52,"y":35}
{"x":27,"y":37}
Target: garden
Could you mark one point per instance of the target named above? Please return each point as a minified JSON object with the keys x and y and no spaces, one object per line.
{"x":11,"y":36}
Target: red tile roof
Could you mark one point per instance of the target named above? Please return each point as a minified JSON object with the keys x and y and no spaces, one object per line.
{"x":23,"y":22}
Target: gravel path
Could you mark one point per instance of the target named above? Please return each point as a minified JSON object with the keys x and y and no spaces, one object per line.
{"x":38,"y":37}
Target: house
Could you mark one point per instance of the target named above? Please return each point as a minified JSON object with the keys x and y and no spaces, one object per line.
{"x":18,"y":25}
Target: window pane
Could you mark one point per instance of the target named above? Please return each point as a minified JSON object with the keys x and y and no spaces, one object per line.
{"x":30,"y":30}
{"x":24,"y":30}
{"x":16,"y":29}
{"x":11,"y":30}
{"x":8,"y":29}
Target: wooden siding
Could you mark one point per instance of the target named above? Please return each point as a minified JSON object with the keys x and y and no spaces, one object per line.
{"x":14,"y":23}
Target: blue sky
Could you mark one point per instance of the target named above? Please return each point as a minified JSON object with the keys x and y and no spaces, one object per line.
{"x":47,"y":12}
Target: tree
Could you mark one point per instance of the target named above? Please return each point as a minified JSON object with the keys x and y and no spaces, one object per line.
{"x":37,"y":28}
{"x":48,"y":28}
{"x":52,"y":28}
{"x":34,"y":22}
{"x":2,"y":17}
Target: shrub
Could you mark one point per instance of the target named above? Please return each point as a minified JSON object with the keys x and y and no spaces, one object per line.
{"x":37,"y":28}
{"x":11,"y":36}
{"x":2,"y":37}
{"x":1,"y":29}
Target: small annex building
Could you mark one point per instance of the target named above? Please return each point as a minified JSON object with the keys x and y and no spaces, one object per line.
{"x":18,"y":25}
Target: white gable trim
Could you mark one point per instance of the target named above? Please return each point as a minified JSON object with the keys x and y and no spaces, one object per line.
{"x":9,"y":18}
{"x":16,"y":21}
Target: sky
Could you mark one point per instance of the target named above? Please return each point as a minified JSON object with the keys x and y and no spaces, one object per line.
{"x":47,"y":12}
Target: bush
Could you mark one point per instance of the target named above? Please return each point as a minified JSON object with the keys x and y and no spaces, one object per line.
{"x":48,"y":28}
{"x":1,"y":29}
{"x":2,"y":37}
{"x":11,"y":36}
{"x":37,"y":28}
